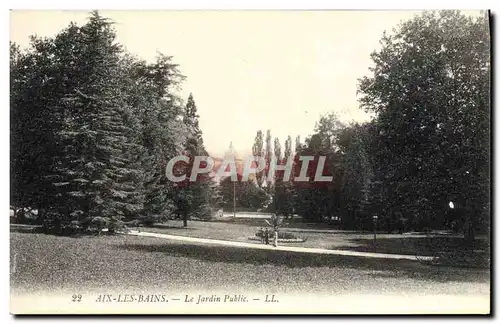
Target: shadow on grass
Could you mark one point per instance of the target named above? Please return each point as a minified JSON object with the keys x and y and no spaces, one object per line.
{"x":447,"y":250}
{"x":422,"y":246}
{"x":380,"y":267}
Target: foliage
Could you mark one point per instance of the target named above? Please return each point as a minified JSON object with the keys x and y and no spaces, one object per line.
{"x":430,"y":91}
{"x":93,"y":127}
{"x":275,"y":222}
{"x":258,"y":151}
{"x":248,"y":195}
{"x":315,"y":200}
{"x":281,"y":235}
{"x":197,"y":197}
{"x":92,"y":130}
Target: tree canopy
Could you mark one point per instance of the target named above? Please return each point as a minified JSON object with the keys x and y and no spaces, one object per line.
{"x":92,"y":129}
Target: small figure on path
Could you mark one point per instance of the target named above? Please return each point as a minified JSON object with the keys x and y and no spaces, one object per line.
{"x":261,"y":235}
{"x":266,"y":235}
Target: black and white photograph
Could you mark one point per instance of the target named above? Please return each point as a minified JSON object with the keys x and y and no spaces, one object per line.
{"x":293,"y":162}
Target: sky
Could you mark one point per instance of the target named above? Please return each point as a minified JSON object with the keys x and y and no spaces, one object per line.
{"x":248,"y":70}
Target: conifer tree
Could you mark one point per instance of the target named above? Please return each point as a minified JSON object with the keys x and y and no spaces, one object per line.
{"x":99,"y":175}
{"x":196,"y":197}
{"x":163,"y":133}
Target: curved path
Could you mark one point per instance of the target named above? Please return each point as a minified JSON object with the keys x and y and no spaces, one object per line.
{"x":282,"y":248}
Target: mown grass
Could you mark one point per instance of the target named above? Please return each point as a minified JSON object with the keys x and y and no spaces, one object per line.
{"x":410,"y":244}
{"x":420,"y":245}
{"x":46,"y":262}
{"x":448,"y":250}
{"x":445,"y":246}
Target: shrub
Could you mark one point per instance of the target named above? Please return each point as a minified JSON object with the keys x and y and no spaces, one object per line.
{"x":281,"y":235}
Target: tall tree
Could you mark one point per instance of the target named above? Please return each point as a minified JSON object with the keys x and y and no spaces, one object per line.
{"x":328,"y":128}
{"x":93,"y":129}
{"x":97,"y":176}
{"x":315,"y":200}
{"x":277,"y":149}
{"x":278,"y":189}
{"x":163,"y":133}
{"x":430,"y":89}
{"x":354,"y":144}
{"x":288,"y":147}
{"x":298,"y":145}
{"x":36,"y":117}
{"x":257,"y":150}
{"x":195,"y":197}
{"x":268,"y":156}
{"x":288,"y":193}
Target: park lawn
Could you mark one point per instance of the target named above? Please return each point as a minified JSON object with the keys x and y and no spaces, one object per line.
{"x":411,"y":244}
{"x":241,"y":232}
{"x":424,"y":245}
{"x":41,"y":262}
{"x":205,"y":229}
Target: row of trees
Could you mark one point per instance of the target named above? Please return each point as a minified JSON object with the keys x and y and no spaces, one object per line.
{"x":261,"y":193}
{"x":92,"y":129}
{"x":428,"y":144}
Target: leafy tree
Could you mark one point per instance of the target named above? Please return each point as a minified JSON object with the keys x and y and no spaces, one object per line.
{"x":298,"y":144}
{"x":277,"y":149}
{"x":248,"y":195}
{"x":257,"y":150}
{"x":314,"y":200}
{"x":278,"y":189}
{"x":328,"y":128}
{"x":357,"y":175}
{"x":287,"y":207}
{"x":268,"y":156}
{"x":430,"y":91}
{"x":32,"y":113}
{"x":288,"y":147}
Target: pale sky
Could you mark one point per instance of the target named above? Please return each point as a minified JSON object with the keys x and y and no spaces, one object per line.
{"x":248,"y":70}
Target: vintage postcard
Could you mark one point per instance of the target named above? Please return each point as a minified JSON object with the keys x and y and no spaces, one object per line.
{"x":250,"y":162}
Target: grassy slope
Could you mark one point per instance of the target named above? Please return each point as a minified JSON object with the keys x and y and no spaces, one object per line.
{"x":47,"y":262}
